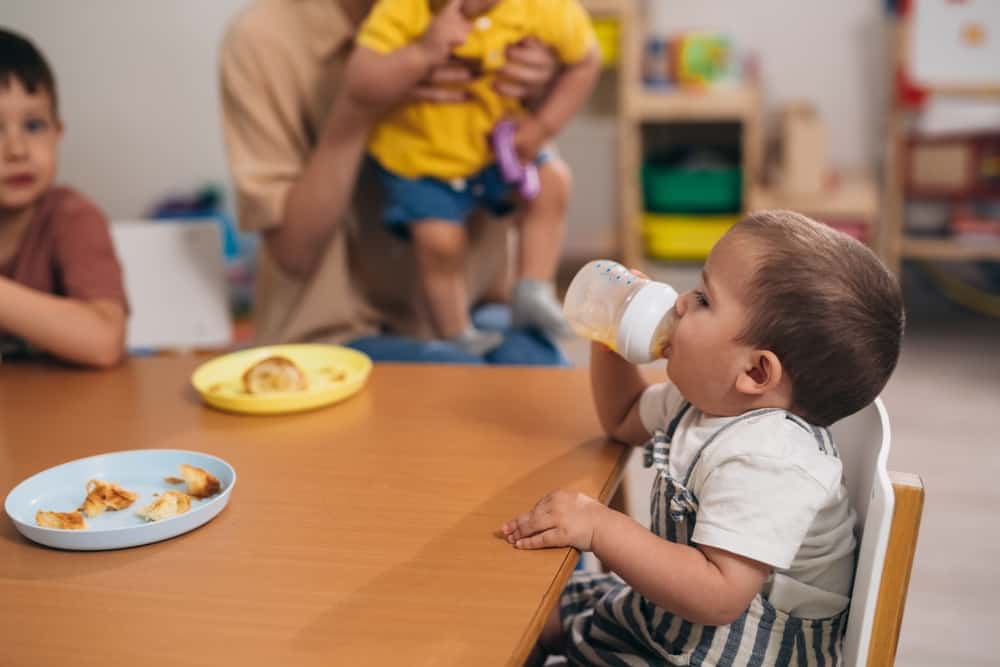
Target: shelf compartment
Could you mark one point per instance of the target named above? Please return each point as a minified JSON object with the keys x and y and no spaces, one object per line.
{"x":683,"y":237}
{"x":951,"y":249}
{"x":730,"y":102}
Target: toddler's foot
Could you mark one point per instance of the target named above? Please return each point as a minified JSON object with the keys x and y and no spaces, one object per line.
{"x":534,"y":305}
{"x":476,"y":341}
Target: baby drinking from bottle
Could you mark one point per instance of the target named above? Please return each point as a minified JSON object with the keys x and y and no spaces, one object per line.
{"x":750,"y":555}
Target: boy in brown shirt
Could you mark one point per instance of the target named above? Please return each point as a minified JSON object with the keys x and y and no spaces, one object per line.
{"x":61,"y":288}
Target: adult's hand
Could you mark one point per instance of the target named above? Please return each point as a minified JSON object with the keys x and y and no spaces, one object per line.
{"x":528,"y":72}
{"x":445,"y":83}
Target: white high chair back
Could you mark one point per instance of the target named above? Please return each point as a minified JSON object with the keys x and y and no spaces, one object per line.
{"x":888,"y":508}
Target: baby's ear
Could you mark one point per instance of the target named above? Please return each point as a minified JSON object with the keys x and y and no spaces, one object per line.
{"x":762,"y":373}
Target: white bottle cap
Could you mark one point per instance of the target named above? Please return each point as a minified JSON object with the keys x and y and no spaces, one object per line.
{"x":641,"y":318}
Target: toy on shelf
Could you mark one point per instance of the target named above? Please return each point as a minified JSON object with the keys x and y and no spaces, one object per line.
{"x":695,"y":59}
{"x":961,"y":165}
{"x":803,"y":149}
{"x":524,"y":176}
{"x":701,"y":58}
{"x":977,"y":223}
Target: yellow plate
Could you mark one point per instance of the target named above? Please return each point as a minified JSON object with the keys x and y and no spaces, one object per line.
{"x":333,"y":372}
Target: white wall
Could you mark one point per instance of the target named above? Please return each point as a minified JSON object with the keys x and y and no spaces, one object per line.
{"x":831,"y":53}
{"x":138,"y":86}
{"x":138,"y":93}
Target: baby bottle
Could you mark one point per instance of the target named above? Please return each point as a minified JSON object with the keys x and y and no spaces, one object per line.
{"x":633,"y":316}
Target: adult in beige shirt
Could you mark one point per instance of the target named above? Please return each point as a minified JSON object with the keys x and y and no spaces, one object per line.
{"x":327,"y":270}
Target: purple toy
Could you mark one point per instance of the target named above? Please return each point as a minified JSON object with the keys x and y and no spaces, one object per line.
{"x":524,"y":176}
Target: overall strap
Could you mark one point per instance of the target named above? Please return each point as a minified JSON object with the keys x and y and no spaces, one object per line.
{"x":657,"y":447}
{"x":821,"y":434}
{"x":677,"y":420}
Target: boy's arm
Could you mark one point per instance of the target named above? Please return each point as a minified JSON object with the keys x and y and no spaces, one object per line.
{"x":91,"y":333}
{"x":700,"y":584}
{"x":571,"y":90}
{"x":617,"y":387}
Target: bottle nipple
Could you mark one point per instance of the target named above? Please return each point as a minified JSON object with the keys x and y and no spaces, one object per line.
{"x":646,"y":325}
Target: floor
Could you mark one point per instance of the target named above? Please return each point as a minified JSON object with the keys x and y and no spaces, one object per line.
{"x":944,"y":407}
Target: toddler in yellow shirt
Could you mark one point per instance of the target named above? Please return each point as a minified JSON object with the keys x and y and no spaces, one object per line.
{"x":435,"y":159}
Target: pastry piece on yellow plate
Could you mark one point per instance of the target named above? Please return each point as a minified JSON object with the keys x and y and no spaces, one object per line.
{"x":200,"y":482}
{"x":166,"y":505}
{"x":274,"y":375}
{"x":333,"y":374}
{"x":64,"y":520}
{"x":103,"y":495}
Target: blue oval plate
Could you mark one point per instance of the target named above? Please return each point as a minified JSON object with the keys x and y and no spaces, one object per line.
{"x":63,"y":489}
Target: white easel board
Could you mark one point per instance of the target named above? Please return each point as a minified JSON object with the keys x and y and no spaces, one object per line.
{"x":955,"y":44}
{"x":176,"y":284}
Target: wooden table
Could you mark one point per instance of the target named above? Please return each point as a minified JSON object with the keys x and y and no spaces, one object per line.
{"x":359,"y":534}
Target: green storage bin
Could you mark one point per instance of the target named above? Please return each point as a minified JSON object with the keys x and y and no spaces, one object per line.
{"x":673,"y":189}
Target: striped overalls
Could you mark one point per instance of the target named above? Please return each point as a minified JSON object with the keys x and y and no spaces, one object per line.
{"x":607,"y":623}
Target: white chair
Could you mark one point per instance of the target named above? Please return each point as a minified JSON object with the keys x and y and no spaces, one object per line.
{"x":176,"y":284}
{"x":889,"y":506}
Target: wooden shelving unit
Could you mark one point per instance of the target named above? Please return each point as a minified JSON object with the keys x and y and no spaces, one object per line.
{"x":958,"y":250}
{"x":896,"y":244}
{"x":718,"y":104}
{"x":855,"y":198}
{"x":639,"y":106}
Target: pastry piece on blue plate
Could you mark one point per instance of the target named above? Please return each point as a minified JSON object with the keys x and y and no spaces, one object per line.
{"x":167,"y":504}
{"x":103,"y":495}
{"x":200,"y":482}
{"x":63,"y":520}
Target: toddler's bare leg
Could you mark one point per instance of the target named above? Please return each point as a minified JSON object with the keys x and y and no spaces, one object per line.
{"x":439,"y":247}
{"x":542,"y":227}
{"x":543,"y":224}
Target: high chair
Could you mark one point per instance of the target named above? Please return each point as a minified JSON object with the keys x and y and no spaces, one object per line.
{"x":176,"y":285}
{"x":889,"y":505}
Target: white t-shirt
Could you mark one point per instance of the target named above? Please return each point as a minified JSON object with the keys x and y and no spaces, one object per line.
{"x":769,"y":491}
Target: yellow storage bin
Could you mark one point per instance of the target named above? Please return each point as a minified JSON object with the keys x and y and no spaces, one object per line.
{"x":607,"y":31}
{"x":683,"y":236}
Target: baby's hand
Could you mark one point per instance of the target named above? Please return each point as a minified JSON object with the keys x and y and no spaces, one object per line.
{"x":529,"y":138}
{"x":448,"y":30}
{"x":560,"y":519}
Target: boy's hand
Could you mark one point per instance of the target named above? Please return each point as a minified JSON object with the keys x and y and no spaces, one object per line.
{"x":560,"y":519}
{"x":529,"y":138}
{"x":448,"y":30}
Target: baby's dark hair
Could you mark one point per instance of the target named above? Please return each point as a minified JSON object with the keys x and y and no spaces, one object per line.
{"x":827,"y":307}
{"x":21,"y":61}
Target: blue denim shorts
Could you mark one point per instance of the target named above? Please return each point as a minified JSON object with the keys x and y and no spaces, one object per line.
{"x":410,"y":200}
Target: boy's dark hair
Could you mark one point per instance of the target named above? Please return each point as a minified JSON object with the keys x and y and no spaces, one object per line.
{"x":827,"y":307}
{"x":20,"y":60}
